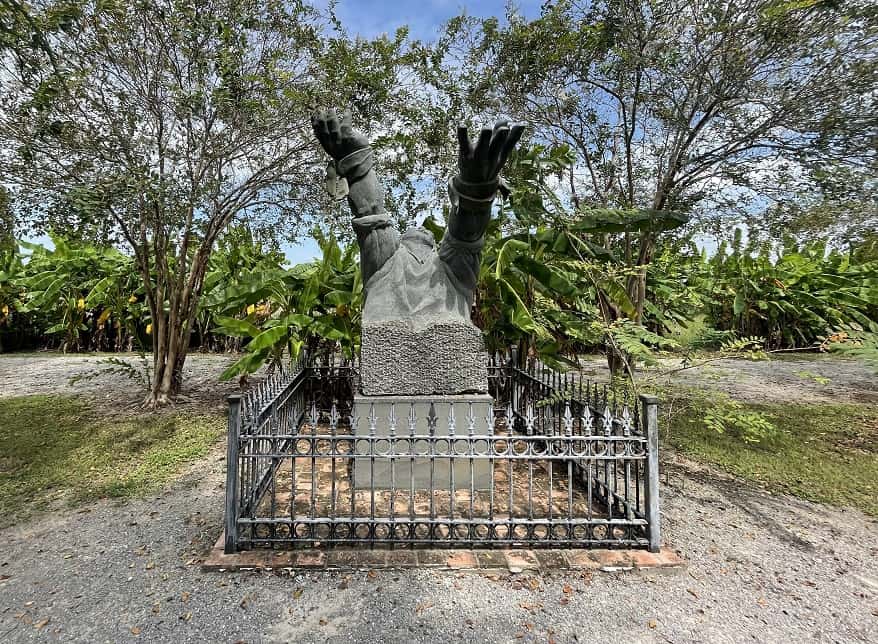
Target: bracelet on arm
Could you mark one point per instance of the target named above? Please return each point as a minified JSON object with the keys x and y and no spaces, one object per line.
{"x":356,"y":165}
{"x":482,"y":193}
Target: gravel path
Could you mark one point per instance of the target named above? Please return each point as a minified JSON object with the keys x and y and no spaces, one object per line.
{"x":761,"y":568}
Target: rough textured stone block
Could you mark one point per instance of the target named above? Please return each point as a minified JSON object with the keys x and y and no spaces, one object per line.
{"x":439,"y":356}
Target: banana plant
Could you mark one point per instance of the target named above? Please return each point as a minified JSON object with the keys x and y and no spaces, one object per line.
{"x":280,"y":312}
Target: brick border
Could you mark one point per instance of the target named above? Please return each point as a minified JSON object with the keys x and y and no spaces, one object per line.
{"x":512,"y":560}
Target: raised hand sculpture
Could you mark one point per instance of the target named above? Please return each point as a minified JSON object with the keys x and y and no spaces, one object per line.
{"x":417,"y":333}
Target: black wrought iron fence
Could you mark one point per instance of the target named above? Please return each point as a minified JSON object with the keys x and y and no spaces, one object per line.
{"x":549,"y":461}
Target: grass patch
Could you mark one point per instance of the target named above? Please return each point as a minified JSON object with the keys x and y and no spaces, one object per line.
{"x":822,"y":452}
{"x":56,"y":449}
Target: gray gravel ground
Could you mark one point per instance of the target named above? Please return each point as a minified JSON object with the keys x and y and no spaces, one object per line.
{"x":761,"y":568}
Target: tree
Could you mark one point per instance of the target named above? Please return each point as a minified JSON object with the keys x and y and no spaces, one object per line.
{"x":173,"y":119}
{"x":672,"y":106}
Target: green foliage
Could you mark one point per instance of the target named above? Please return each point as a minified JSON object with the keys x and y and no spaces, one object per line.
{"x":821,"y":452}
{"x":280,"y":312}
{"x":87,"y":295}
{"x":58,"y":449}
{"x":725,"y":415}
{"x":791,"y":294}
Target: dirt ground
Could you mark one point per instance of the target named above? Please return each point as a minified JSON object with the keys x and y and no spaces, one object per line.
{"x":761,"y":567}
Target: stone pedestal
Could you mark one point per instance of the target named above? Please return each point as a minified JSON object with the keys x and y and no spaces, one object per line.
{"x":377,"y":473}
{"x":434,"y":356}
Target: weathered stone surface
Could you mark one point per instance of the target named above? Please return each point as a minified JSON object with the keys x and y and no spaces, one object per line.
{"x":441,"y":356}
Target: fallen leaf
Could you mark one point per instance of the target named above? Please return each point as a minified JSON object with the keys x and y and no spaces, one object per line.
{"x":40,"y":624}
{"x":28,"y":603}
{"x":762,"y":601}
{"x":4,"y":577}
{"x":186,"y":617}
{"x":533,"y":583}
{"x":150,"y":565}
{"x":156,"y":608}
{"x":567,"y":589}
{"x":372,"y":574}
{"x":531,"y":607}
{"x":692,"y":592}
{"x":652,"y":623}
{"x":297,"y":593}
{"x":323,"y":621}
{"x":184,"y":597}
{"x":564,"y":601}
{"x":420,"y":608}
{"x":243,"y":602}
{"x":135,"y":630}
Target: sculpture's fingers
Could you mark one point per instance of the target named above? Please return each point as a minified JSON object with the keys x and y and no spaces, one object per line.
{"x":511,"y":141}
{"x":333,"y":126}
{"x":321,"y":130}
{"x":484,"y":142}
{"x":347,"y":130}
{"x":466,"y":150}
{"x":497,"y":143}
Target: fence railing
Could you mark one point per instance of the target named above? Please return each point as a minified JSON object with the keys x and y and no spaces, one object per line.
{"x":549,"y":461}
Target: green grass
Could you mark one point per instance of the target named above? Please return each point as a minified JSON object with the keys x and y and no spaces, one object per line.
{"x":57,"y":449}
{"x":823,"y":452}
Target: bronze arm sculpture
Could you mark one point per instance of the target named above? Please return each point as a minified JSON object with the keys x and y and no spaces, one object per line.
{"x":415,"y":297}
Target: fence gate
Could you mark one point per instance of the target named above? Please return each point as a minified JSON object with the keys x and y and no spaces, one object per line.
{"x":553,"y":462}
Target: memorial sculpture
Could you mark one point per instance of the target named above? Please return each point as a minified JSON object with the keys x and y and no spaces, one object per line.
{"x":418,"y":338}
{"x":422,"y":360}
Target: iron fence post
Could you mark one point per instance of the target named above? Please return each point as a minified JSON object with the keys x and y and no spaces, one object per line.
{"x":231,"y":521}
{"x":649,"y":414}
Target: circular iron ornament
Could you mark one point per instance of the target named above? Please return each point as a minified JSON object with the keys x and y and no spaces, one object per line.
{"x":520,"y":532}
{"x":637,"y":448}
{"x":599,"y":447}
{"x":540,"y":532}
{"x":324,"y":447}
{"x":422,"y":531}
{"x":282,"y":531}
{"x":500,"y":447}
{"x":441,"y":447}
{"x":559,"y":532}
{"x":480,"y":447}
{"x":361,"y":446}
{"x":382,"y":531}
{"x":461,"y":447}
{"x":520,"y":447}
{"x":482,"y":532}
{"x":402,"y":447}
{"x":500,"y":532}
{"x":619,"y":532}
{"x":461,"y":531}
{"x":421,"y":447}
{"x":539,"y":448}
{"x":302,"y":446}
{"x":362,"y":531}
{"x":580,"y":532}
{"x":302,"y":531}
{"x":401,"y":531}
{"x":342,"y":531}
{"x":381,"y":447}
{"x":579,"y":448}
{"x":599,"y":532}
{"x":323,"y":531}
{"x":441,"y":531}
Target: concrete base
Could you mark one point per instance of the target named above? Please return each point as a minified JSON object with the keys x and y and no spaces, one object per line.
{"x":384,"y":470}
